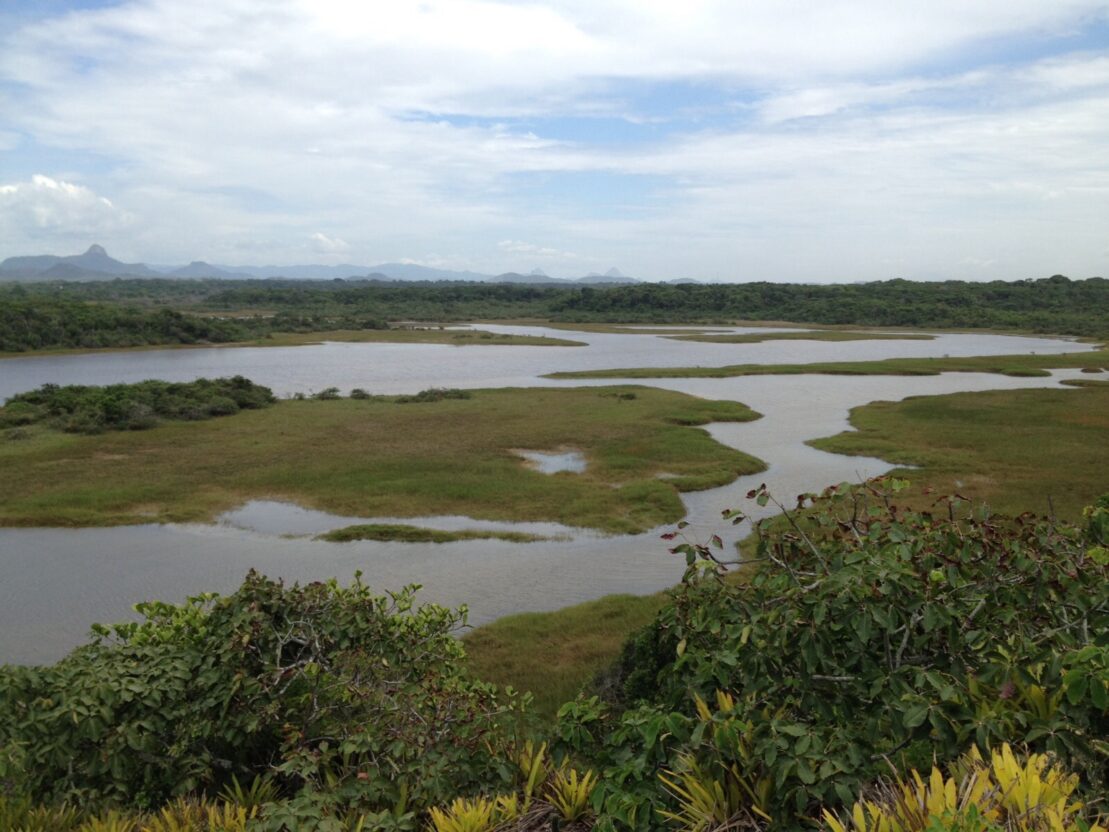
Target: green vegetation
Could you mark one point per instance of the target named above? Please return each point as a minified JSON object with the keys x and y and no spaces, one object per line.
{"x":373,"y":457}
{"x":555,"y":655}
{"x":870,"y":641}
{"x":434,"y":394}
{"x":29,"y":322}
{"x":36,"y":323}
{"x":417,"y":534}
{"x":871,"y":636}
{"x":315,"y":686}
{"x":80,"y":409}
{"x":1013,"y":449}
{"x":1009,"y":365}
{"x":808,"y":335}
{"x":115,"y":313}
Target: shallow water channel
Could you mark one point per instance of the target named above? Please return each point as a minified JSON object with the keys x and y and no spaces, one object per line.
{"x":55,"y":582}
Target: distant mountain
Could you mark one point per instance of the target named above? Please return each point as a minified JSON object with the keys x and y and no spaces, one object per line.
{"x":313,"y":271}
{"x":94,"y":264}
{"x":681,"y":281}
{"x":533,"y":278}
{"x":411,"y":271}
{"x":613,"y":275}
{"x":198,"y":268}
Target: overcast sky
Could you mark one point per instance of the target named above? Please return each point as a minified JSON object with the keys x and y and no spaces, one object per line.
{"x":763,"y":139}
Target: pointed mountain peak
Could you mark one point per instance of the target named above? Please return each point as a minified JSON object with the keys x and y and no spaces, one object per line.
{"x":97,"y":249}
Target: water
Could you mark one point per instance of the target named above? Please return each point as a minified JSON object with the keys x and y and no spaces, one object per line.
{"x":554,"y":462}
{"x":409,"y":368}
{"x":54,"y":582}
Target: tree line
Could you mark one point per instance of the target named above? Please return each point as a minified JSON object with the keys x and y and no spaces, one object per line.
{"x":131,"y":312}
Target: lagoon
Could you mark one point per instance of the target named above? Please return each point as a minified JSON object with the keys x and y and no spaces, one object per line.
{"x":55,"y":582}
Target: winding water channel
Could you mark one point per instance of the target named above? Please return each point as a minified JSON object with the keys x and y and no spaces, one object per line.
{"x":55,"y":582}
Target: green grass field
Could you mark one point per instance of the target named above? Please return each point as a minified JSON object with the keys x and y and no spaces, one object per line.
{"x":380,"y":458}
{"x":1012,"y":365}
{"x":554,"y":654}
{"x":1016,"y":450}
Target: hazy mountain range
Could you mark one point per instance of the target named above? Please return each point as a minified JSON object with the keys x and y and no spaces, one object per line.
{"x":97,"y":264}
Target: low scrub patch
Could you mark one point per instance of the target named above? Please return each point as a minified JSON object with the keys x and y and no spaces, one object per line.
{"x":76,"y":408}
{"x":417,"y":534}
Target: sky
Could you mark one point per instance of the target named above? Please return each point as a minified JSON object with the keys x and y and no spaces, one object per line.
{"x":740,"y":140}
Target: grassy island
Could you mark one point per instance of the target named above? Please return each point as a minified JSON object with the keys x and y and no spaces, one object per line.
{"x":1016,"y":450}
{"x":1009,"y":365}
{"x":377,"y":457}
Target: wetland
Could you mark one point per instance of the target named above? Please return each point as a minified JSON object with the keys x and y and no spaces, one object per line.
{"x":192,"y":506}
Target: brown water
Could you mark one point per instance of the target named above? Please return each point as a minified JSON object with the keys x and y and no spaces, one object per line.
{"x":55,"y":582}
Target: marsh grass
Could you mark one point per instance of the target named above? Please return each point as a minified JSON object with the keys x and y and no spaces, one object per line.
{"x":1016,"y":450}
{"x":554,"y":655}
{"x":1010,"y":365}
{"x":373,"y":457}
{"x":419,"y":534}
{"x":807,"y":335}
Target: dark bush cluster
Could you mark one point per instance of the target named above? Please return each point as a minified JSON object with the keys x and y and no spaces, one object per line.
{"x":82,"y":409}
{"x":434,"y":394}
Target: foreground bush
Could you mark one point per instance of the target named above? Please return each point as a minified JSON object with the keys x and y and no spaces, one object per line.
{"x":1031,"y":795}
{"x":79,"y":409}
{"x":350,"y":700}
{"x":868,"y":636}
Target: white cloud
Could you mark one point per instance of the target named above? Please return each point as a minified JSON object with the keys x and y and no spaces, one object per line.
{"x":43,"y":206}
{"x":520,"y":247}
{"x":855,"y":132}
{"x":323,"y":244}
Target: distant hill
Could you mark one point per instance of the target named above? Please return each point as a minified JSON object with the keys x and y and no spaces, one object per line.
{"x":94,"y":264}
{"x":533,"y":278}
{"x":538,"y":276}
{"x":198,"y":268}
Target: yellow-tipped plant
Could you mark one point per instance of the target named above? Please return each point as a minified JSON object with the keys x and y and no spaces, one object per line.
{"x":111,"y":822}
{"x":476,"y":814}
{"x":227,"y":817}
{"x":569,"y":793}
{"x":532,"y":762}
{"x":707,"y":800}
{"x":1029,"y":796}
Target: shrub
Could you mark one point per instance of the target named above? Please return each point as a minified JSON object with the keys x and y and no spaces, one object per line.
{"x":872,"y":635}
{"x":81,"y":409}
{"x":359,"y":393}
{"x":434,"y":394}
{"x":319,"y":684}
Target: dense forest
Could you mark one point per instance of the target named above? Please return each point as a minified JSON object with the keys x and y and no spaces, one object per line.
{"x":875,"y":642}
{"x":129,"y":312}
